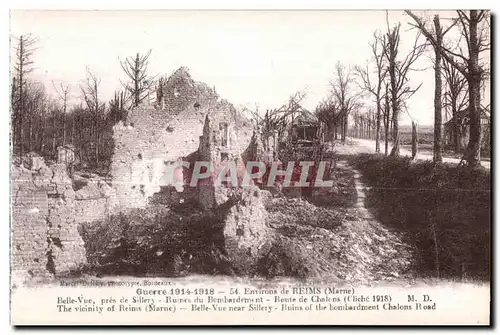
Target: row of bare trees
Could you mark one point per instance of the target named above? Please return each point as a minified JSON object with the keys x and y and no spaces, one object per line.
{"x":474,"y":27}
{"x":78,"y":116}
{"x":334,"y":111}
{"x":364,"y":124}
{"x":385,"y":81}
{"x":41,"y":122}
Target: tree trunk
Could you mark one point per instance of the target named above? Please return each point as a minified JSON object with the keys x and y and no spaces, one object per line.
{"x":80,"y":145}
{"x":344,"y":129}
{"x":456,"y":133}
{"x":377,"y":130}
{"x":21,"y":121}
{"x":342,"y":134}
{"x":473,"y":153}
{"x":30,"y":139}
{"x":73,"y":130}
{"x":414,"y":140}
{"x":136,"y":81}
{"x":64,"y":124}
{"x":97,"y":139}
{"x":21,"y":97}
{"x":386,"y":135}
{"x":437,"y":158}
{"x":386,"y":119}
{"x":42,"y":149}
{"x":13,"y":112}
{"x":97,"y":150}
{"x":395,"y":121}
{"x":54,"y":133}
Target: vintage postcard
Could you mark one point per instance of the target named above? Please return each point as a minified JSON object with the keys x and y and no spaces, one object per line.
{"x":271,"y":167}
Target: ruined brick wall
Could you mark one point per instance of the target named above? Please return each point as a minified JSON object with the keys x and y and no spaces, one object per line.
{"x":45,"y":238}
{"x":91,"y":210}
{"x":151,"y":138}
{"x":219,"y":145}
{"x":262,"y":148}
{"x":93,"y":202}
{"x":30,"y":207}
{"x":247,"y":236}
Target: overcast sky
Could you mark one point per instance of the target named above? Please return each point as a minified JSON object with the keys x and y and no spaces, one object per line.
{"x":250,"y":57}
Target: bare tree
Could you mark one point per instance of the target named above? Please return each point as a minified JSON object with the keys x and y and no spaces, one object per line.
{"x":35,"y":99}
{"x":162,"y":82}
{"x":278,"y":119}
{"x":414,"y":142}
{"x":254,"y":115}
{"x":437,"y":152}
{"x":342,"y":92}
{"x":22,"y":67}
{"x":398,"y":71}
{"x":117,"y":110}
{"x":374,"y":87}
{"x":438,"y":34}
{"x":364,"y":122}
{"x":387,"y":115}
{"x":90,"y":95}
{"x":136,"y":69}
{"x":474,"y":27}
{"x":455,"y":100}
{"x":63,"y":93}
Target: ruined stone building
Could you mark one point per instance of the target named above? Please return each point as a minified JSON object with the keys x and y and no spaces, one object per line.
{"x":155,"y":136}
{"x":191,"y":123}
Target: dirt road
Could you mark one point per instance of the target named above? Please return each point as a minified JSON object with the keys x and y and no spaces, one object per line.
{"x":368,"y":146}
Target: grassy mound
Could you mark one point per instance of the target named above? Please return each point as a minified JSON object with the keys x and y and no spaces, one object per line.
{"x":443,"y":210}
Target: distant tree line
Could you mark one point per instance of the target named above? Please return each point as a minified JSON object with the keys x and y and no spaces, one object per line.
{"x":41,"y":122}
{"x":369,"y":98}
{"x":459,"y":76}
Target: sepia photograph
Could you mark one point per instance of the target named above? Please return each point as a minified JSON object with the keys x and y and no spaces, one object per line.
{"x":254,"y":167}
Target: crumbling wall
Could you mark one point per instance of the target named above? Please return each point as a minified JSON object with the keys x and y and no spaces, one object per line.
{"x":246,"y":233}
{"x":247,"y":236}
{"x":45,"y":238}
{"x":30,"y":207}
{"x":220,"y":147}
{"x":151,"y":138}
{"x":93,"y":201}
{"x":263,"y":148}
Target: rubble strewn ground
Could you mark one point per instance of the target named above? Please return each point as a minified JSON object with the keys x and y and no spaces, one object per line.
{"x":333,"y":242}
{"x":336,"y":242}
{"x":372,"y":224}
{"x":350,"y":232}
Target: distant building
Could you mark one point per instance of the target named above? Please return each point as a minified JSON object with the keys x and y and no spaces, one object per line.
{"x":463,"y":121}
{"x":153,"y":137}
{"x":305,"y":130}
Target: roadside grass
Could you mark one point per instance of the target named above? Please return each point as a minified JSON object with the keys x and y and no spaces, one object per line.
{"x":443,"y":210}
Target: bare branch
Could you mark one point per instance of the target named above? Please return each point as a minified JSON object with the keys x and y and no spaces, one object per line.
{"x":445,"y":52}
